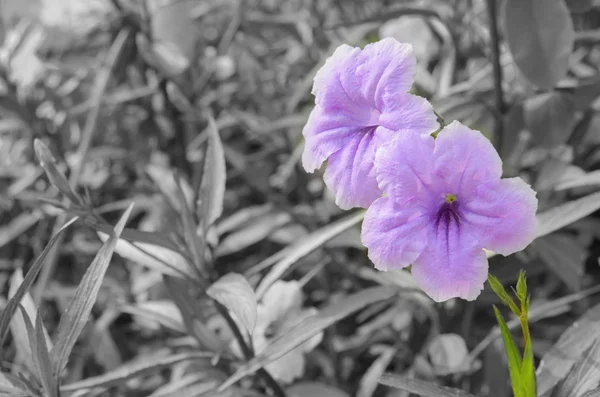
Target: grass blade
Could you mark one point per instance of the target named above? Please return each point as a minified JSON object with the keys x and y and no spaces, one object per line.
{"x":13,"y":303}
{"x":420,"y":387}
{"x":74,"y":319}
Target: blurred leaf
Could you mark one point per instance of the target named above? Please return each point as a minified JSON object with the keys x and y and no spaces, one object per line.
{"x":584,"y":376}
{"x":77,"y":313}
{"x":23,"y":288}
{"x":252,"y":233}
{"x":139,"y":367}
{"x":568,"y":350}
{"x":550,"y":116}
{"x":154,"y":257}
{"x":567,"y":213}
{"x":235,"y":293}
{"x":158,"y":312}
{"x":496,"y":374}
{"x":540,"y":36}
{"x":42,"y":354}
{"x":591,"y":178}
{"x":311,"y":327}
{"x":242,"y":218}
{"x":314,"y":389}
{"x":212,"y":188}
{"x":56,"y":177}
{"x":565,"y":256}
{"x":447,"y":353}
{"x":370,"y":380}
{"x":172,"y":23}
{"x":191,"y":313}
{"x":305,"y":246}
{"x":512,"y":353}
{"x":422,"y":388}
{"x":165,"y":56}
{"x":165,"y":181}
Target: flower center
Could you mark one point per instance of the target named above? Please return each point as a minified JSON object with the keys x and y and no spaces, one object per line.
{"x":450,"y":198}
{"x":449,"y":211}
{"x":374,"y":117}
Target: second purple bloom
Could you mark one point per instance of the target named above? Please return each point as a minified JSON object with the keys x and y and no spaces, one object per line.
{"x":362,"y":103}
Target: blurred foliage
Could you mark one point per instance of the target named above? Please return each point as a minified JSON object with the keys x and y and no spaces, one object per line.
{"x":193,"y":111}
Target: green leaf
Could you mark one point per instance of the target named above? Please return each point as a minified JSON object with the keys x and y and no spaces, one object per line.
{"x":235,"y":293}
{"x":568,"y":350}
{"x":420,"y":387}
{"x":522,"y":288}
{"x":311,"y":327}
{"x":512,"y":353}
{"x":212,"y":188}
{"x":137,"y":368}
{"x":527,"y":376}
{"x":498,"y":288}
{"x":288,"y":256}
{"x":540,"y":36}
{"x":77,"y":313}
{"x":14,"y":302}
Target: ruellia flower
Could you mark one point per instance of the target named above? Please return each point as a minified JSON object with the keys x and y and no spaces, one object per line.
{"x":361,"y":102}
{"x":445,"y":201}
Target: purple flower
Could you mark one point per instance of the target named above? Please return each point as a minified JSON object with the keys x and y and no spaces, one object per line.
{"x":362,"y":102}
{"x":445,"y":202}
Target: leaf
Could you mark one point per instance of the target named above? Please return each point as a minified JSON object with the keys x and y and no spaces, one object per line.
{"x":256,"y":231}
{"x":50,"y":383}
{"x":567,"y":213}
{"x":550,"y":116}
{"x":512,"y":353}
{"x":235,"y":293}
{"x":370,"y":380}
{"x":212,"y":188}
{"x":447,"y":353}
{"x":56,"y":177}
{"x":527,"y":376}
{"x":311,"y":327}
{"x":165,"y":181}
{"x":588,"y":179}
{"x":77,"y":313}
{"x":584,"y":376}
{"x":158,"y":312}
{"x":153,"y":256}
{"x":420,"y":387}
{"x":568,"y":350}
{"x":139,"y":367}
{"x":13,"y":303}
{"x":314,"y":389}
{"x":304,"y":247}
{"x":498,"y":288}
{"x":565,"y":256}
{"x":540,"y":36}
{"x":522,"y":288}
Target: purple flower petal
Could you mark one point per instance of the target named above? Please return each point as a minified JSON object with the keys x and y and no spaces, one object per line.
{"x":453,"y":264}
{"x":350,"y":175}
{"x":503,"y":214}
{"x":464,"y":159}
{"x":395,"y":235}
{"x":385,"y":66}
{"x":404,"y":167}
{"x":405,"y":112}
{"x":327,"y":132}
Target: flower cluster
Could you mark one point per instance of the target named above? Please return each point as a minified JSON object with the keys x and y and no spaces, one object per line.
{"x":434,"y":201}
